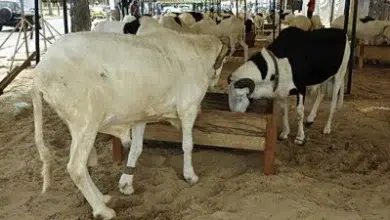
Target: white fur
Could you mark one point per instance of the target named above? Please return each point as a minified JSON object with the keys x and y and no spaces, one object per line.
{"x":133,"y":93}
{"x":372,"y":32}
{"x":169,"y":22}
{"x":109,"y":26}
{"x":232,"y":27}
{"x":259,"y":24}
{"x":316,"y":22}
{"x":187,"y":19}
{"x":112,"y":26}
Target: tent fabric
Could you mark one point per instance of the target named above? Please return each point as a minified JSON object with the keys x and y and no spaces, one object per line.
{"x":323,"y":9}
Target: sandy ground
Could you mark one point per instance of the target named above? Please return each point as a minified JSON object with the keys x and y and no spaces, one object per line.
{"x":341,"y":176}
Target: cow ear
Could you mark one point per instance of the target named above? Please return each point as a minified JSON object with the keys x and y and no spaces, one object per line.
{"x":245,"y":83}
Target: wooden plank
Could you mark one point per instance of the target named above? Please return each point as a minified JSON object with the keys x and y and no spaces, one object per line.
{"x":11,"y":76}
{"x":217,"y":128}
{"x":220,"y":101}
{"x":378,"y":52}
{"x":270,"y":144}
{"x":117,"y":151}
{"x":374,"y":52}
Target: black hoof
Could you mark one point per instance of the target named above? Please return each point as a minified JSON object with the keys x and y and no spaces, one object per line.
{"x":281,"y":138}
{"x":308,"y":124}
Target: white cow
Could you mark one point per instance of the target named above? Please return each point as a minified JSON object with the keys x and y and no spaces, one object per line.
{"x":159,"y":76}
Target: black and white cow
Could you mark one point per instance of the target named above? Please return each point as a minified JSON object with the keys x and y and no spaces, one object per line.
{"x":295,"y":60}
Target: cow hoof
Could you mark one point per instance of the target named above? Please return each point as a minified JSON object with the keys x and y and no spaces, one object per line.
{"x":300,"y":142}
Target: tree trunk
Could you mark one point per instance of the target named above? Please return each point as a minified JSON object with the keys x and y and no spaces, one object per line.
{"x":49,"y":5}
{"x":80,"y":16}
{"x":58,"y":8}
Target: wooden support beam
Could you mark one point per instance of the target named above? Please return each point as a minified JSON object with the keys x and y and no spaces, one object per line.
{"x":219,"y":127}
{"x":270,"y":144}
{"x":373,"y":52}
{"x":11,"y":76}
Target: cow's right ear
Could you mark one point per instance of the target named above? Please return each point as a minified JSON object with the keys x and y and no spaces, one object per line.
{"x":131,"y":27}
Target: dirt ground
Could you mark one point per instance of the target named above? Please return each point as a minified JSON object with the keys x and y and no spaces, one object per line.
{"x":341,"y":176}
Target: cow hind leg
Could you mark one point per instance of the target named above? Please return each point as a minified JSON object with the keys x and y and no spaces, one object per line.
{"x":300,"y":138}
{"x":83,"y":139}
{"x":286,"y":126}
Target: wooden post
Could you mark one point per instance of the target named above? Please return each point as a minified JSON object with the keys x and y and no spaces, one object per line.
{"x":361,"y":55}
{"x":270,"y":141}
{"x":117,"y":151}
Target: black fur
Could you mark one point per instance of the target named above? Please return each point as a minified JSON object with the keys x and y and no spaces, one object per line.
{"x":177,"y":19}
{"x":260,"y":14}
{"x":261,"y":64}
{"x":226,"y":17}
{"x":314,"y":56}
{"x":367,"y":19}
{"x":131,"y":27}
{"x":248,"y":25}
{"x":196,"y":15}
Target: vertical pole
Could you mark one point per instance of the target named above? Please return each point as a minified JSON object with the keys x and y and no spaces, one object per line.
{"x":37,"y":26}
{"x":346,"y":14}
{"x":257,"y":7}
{"x":270,"y":141}
{"x":273,"y":20}
{"x":236,"y":8}
{"x":353,"y":46}
{"x":244,"y":11}
{"x":117,"y":151}
{"x":331,"y":12}
{"x":65,"y":9}
{"x":280,"y":16}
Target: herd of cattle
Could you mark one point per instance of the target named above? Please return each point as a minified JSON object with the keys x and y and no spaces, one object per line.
{"x":125,"y":74}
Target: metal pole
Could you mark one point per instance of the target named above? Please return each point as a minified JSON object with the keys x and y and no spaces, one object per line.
{"x":346,"y":14}
{"x":236,"y":8}
{"x":273,"y":20}
{"x":257,"y":7}
{"x":331,"y":13}
{"x":65,"y":9}
{"x":280,"y":15}
{"x":353,"y":46}
{"x":36,"y":15}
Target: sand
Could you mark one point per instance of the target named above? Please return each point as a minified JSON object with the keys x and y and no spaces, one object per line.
{"x":341,"y":176}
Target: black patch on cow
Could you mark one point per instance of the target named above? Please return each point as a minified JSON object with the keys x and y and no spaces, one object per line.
{"x":228,"y":12}
{"x":260,"y":14}
{"x":226,"y":17}
{"x":149,"y":15}
{"x":293,"y":92}
{"x":103,"y":75}
{"x":314,"y":56}
{"x":248,"y":25}
{"x":261,"y":64}
{"x":196,"y":15}
{"x":177,"y":20}
{"x":367,"y":19}
{"x":176,"y":13}
{"x":131,"y":27}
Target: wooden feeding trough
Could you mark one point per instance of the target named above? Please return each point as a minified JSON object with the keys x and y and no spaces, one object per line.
{"x":219,"y":127}
{"x":372,"y":52}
